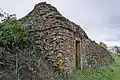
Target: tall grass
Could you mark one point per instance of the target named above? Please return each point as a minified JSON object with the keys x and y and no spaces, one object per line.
{"x":111,"y":72}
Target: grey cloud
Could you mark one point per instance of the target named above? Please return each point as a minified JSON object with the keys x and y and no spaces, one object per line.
{"x":99,"y":18}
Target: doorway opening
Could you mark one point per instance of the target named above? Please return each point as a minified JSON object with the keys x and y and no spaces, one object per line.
{"x":78,"y":61}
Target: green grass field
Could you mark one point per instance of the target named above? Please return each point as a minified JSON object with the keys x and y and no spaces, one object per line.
{"x":111,"y":72}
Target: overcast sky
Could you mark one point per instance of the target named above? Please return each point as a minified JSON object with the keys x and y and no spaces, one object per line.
{"x":99,"y":18}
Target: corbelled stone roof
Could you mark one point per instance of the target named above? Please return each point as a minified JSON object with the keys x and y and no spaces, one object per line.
{"x":48,"y":17}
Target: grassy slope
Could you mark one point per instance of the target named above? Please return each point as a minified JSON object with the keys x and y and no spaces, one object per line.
{"x":111,"y":72}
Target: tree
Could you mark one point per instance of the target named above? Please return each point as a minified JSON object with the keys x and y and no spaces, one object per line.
{"x":117,"y":49}
{"x":19,"y":61}
{"x":13,"y":32}
{"x":102,"y":44}
{"x":13,"y":42}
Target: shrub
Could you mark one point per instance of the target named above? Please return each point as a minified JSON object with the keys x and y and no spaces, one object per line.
{"x":13,"y":33}
{"x":90,"y":60}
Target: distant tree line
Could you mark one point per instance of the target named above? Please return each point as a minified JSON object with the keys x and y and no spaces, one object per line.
{"x":115,"y":49}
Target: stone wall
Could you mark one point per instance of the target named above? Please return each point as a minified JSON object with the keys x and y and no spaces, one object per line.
{"x":57,"y":36}
{"x":57,"y":46}
{"x":99,"y":54}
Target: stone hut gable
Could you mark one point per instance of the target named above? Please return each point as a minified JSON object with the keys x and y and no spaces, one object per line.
{"x":63,"y":43}
{"x":48,"y":17}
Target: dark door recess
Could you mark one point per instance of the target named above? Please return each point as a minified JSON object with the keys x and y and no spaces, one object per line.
{"x":78,"y":54}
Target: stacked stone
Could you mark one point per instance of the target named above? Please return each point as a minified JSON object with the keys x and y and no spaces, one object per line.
{"x":56,"y":36}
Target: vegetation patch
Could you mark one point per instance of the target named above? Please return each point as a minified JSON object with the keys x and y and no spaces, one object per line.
{"x":110,"y":72}
{"x":13,"y":33}
{"x":90,"y":60}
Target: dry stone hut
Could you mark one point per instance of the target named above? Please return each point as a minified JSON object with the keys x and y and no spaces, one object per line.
{"x":64,"y":44}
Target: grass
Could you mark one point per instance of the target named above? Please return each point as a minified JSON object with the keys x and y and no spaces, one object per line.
{"x":111,"y":72}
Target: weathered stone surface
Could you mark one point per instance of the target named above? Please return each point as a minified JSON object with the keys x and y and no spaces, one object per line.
{"x":57,"y":37}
